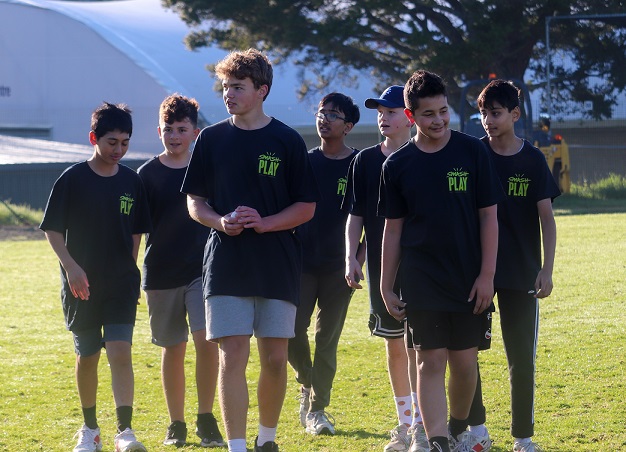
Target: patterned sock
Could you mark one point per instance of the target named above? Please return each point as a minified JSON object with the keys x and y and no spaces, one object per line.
{"x":403,"y":409}
{"x":417,"y":416}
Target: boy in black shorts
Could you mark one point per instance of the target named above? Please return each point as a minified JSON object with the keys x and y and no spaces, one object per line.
{"x":172,"y":275}
{"x":526,"y":221}
{"x":250,"y":181}
{"x":322,"y":281}
{"x":96,"y":214}
{"x":362,"y":201}
{"x":439,"y":195}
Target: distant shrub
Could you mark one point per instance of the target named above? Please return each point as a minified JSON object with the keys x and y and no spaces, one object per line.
{"x":612,"y":187}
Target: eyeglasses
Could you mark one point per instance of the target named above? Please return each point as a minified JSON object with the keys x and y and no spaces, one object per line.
{"x":330,"y":117}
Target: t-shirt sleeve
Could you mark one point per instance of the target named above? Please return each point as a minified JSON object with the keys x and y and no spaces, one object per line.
{"x":55,"y":214}
{"x":490,"y":190}
{"x":195,"y":182}
{"x":391,"y":203}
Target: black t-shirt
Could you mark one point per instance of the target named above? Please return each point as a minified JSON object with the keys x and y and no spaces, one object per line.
{"x":526,"y":180}
{"x":323,"y":238}
{"x":175,"y":247}
{"x":362,"y":200}
{"x":98,"y":217}
{"x":267,"y":169}
{"x":438,"y":195}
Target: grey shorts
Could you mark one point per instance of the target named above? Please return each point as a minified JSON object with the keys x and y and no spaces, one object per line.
{"x":244,"y":316}
{"x":168,"y":310}
{"x":90,"y":342}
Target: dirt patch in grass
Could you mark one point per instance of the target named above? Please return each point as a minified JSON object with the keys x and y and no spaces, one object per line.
{"x":17,"y":233}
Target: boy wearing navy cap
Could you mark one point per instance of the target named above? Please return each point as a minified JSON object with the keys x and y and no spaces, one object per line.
{"x":361,"y":201}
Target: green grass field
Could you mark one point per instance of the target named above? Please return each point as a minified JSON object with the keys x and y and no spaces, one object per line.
{"x":581,"y":381}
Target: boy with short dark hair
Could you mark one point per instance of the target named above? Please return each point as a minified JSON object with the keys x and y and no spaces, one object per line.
{"x":172,"y":275}
{"x":96,"y":214}
{"x":250,"y":181}
{"x":322,"y":281}
{"x":526,"y":221}
{"x":362,"y":201}
{"x":439,"y":196}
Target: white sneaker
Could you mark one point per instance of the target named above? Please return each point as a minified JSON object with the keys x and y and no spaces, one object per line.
{"x":305,"y":403}
{"x":88,"y":440}
{"x":419,"y":441}
{"x":127,"y":442}
{"x":400,"y":440}
{"x":320,"y":423}
{"x":478,"y":443}
{"x":526,"y":447}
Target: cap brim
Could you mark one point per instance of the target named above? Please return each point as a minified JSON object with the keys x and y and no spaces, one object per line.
{"x":374,"y":103}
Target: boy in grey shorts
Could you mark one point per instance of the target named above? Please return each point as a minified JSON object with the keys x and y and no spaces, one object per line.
{"x":250,"y":181}
{"x":172,"y":275}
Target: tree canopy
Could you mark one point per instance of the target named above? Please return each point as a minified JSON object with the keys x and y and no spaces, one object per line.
{"x":387,"y":40}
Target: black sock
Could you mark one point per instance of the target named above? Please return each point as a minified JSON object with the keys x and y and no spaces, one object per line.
{"x":457,"y":426}
{"x":89,"y":415}
{"x":439,"y":444}
{"x":124,"y":417}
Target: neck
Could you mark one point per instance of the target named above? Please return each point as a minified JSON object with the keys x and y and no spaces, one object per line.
{"x":175,"y":160}
{"x":391,"y":144}
{"x":506,"y":145}
{"x":431,"y":145}
{"x":102,"y":169}
{"x":253,"y":120}
{"x":335,"y":149}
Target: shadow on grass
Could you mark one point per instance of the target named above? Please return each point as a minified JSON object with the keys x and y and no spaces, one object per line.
{"x":568,"y":204}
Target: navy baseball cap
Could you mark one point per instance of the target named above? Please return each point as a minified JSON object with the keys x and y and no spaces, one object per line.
{"x":392,"y":97}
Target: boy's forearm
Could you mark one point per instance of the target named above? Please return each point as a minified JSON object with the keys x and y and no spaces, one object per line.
{"x":390,"y":254}
{"x":57,"y":242}
{"x":488,"y":240}
{"x":354,"y":229}
{"x":548,"y":234}
{"x":136,"y":245}
{"x":201,"y":212}
{"x":290,"y":217}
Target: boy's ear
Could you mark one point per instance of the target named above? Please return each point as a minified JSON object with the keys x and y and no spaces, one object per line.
{"x":347,"y":128}
{"x":159,"y":131}
{"x":516,"y":113}
{"x":196,"y":132}
{"x":263,"y":90}
{"x":92,"y":138}
{"x":409,"y":115}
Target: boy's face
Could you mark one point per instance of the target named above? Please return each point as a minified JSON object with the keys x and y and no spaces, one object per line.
{"x":111,"y":147}
{"x":240,"y":96}
{"x":327,"y":129}
{"x":431,"y":117}
{"x":497,"y":120}
{"x":392,"y":121}
{"x":178,"y":136}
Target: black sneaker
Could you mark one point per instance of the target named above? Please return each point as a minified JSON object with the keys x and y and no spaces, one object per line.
{"x":176,"y":434}
{"x":208,"y":431}
{"x":270,"y":446}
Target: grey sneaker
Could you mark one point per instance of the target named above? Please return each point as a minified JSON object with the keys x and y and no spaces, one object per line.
{"x":176,"y":434}
{"x":320,"y":423}
{"x":419,"y":441}
{"x":305,"y":403}
{"x":527,"y":447}
{"x":127,"y":442}
{"x":88,"y":440}
{"x":400,"y":440}
{"x":460,"y":444}
{"x":478,"y":443}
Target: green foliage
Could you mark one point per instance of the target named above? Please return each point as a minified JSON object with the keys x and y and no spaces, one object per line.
{"x":459,"y":40}
{"x":19,"y":215}
{"x":612,"y":187}
{"x":581,"y":378}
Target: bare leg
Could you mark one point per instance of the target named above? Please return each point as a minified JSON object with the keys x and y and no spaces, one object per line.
{"x":207,"y":362}
{"x":173,"y":378}
{"x":122,"y":377}
{"x":431,"y":392}
{"x":398,"y":367}
{"x":272,"y":380}
{"x":462,"y":382}
{"x":86,"y":371}
{"x":234,"y":352}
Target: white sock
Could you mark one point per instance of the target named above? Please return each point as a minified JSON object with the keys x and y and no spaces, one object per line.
{"x":417,"y":416}
{"x":403,"y":409}
{"x":478,"y":430}
{"x":522,"y":440}
{"x":237,"y":445}
{"x":266,"y":434}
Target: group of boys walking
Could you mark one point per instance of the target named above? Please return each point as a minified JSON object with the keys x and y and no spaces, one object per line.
{"x":250,"y":232}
